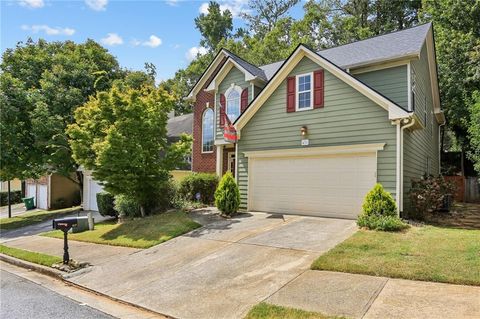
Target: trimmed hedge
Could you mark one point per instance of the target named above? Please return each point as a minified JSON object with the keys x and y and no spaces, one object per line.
{"x":126,"y":206}
{"x":203,"y":184}
{"x":105,"y":203}
{"x":15,"y":198}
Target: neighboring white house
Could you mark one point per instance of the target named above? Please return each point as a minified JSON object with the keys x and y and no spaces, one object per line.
{"x":90,"y":190}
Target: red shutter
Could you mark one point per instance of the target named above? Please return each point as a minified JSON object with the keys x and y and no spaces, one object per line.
{"x":244,"y":100}
{"x":318,"y":89}
{"x":290,"y":94}
{"x":222,"y":109}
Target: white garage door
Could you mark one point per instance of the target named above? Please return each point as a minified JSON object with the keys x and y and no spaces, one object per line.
{"x":329,"y":186}
{"x":94,"y":188}
{"x":42,"y":201}
{"x":31,"y":191}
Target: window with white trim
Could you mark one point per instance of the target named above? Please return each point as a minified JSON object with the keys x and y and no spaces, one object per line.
{"x":207,"y":131}
{"x":233,"y":102}
{"x":304,"y":92}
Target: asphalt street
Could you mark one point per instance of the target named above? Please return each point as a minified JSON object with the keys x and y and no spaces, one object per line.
{"x":22,"y":299}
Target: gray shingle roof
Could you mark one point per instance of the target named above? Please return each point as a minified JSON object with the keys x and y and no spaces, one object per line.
{"x":252,"y":69}
{"x":384,"y":47}
{"x":180,"y":124}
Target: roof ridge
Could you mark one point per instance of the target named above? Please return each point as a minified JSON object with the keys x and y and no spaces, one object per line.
{"x":357,"y":41}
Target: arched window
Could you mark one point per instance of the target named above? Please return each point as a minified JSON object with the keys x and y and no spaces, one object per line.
{"x":233,"y":102}
{"x":207,"y":131}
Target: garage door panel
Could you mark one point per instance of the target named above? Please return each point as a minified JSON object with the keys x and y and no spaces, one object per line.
{"x":321,"y":186}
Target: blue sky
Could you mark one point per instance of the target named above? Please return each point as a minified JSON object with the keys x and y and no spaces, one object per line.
{"x":158,"y":31}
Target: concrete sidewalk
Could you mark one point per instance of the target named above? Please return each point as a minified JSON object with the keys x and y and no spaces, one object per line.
{"x":94,"y":254}
{"x":361,"y":296}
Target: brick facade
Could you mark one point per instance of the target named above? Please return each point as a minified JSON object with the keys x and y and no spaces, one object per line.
{"x":203,"y":162}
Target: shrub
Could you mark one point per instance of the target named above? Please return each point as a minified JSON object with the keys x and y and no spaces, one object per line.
{"x":203,"y":184}
{"x":126,"y":206}
{"x":383,"y":223}
{"x":163,"y":198}
{"x":379,"y":202}
{"x":380,"y":211}
{"x":428,"y":195}
{"x":227,"y":195}
{"x":15,"y":197}
{"x":105,"y":203}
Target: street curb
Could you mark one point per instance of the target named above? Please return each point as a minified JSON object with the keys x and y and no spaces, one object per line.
{"x":60,"y":275}
{"x":31,"y":266}
{"x":115,"y":299}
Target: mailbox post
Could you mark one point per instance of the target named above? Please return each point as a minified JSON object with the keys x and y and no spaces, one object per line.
{"x":65,"y":224}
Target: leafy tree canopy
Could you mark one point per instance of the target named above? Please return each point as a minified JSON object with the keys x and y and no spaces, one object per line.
{"x":121,"y":135}
{"x":42,"y":84}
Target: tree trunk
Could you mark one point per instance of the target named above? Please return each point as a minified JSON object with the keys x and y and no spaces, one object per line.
{"x":142,"y":210}
{"x":9,"y":201}
{"x":80,"y":184}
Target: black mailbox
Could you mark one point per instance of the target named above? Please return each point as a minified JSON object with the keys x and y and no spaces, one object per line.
{"x":64,"y":224}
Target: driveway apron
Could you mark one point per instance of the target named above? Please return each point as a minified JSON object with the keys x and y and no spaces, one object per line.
{"x":220,"y":270}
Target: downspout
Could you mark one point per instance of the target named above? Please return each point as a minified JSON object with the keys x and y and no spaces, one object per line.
{"x":407,"y":125}
{"x":398,"y":123}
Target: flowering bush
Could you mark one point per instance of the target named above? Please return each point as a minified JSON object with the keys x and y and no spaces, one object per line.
{"x":430,"y":194}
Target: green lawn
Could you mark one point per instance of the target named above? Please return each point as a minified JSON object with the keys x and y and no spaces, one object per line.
{"x":138,"y":233}
{"x":33,"y":218}
{"x":37,"y":258}
{"x":421,"y":253}
{"x":267,"y":311}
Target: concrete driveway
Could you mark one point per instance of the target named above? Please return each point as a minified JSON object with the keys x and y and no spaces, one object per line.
{"x":220,"y":270}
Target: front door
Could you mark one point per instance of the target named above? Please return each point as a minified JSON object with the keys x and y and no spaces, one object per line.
{"x":231,"y":163}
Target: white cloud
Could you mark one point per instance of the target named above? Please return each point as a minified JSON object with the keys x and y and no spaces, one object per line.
{"x":234,"y":6}
{"x":48,"y":30}
{"x":153,"y":41}
{"x":32,"y":3}
{"x":97,"y":5}
{"x":112,"y":39}
{"x":194,"y":51}
{"x":172,"y":3}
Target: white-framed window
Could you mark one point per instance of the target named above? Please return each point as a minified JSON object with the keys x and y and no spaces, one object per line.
{"x":207,"y":131}
{"x":304,"y":98}
{"x":232,"y":96}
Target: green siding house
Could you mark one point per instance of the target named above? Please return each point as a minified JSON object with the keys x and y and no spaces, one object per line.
{"x":312,"y":134}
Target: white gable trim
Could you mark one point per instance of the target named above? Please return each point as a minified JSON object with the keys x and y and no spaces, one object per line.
{"x":201,"y":82}
{"x":394,"y":110}
{"x":223,"y":72}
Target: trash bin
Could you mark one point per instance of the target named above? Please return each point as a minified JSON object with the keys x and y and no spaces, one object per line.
{"x":82,"y":225}
{"x":29,"y":202}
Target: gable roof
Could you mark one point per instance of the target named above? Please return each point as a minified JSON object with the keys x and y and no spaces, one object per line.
{"x":251,"y":71}
{"x":250,"y":68}
{"x":393,"y":109}
{"x":395,"y":45}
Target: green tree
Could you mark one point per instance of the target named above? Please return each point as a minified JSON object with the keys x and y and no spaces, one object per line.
{"x":264,"y":15}
{"x":457,"y":42}
{"x":474,"y":132}
{"x":121,"y":135}
{"x":214,"y":26}
{"x":42,"y":84}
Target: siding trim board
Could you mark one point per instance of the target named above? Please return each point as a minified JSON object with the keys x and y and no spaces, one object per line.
{"x":395,"y":111}
{"x":317,"y":151}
